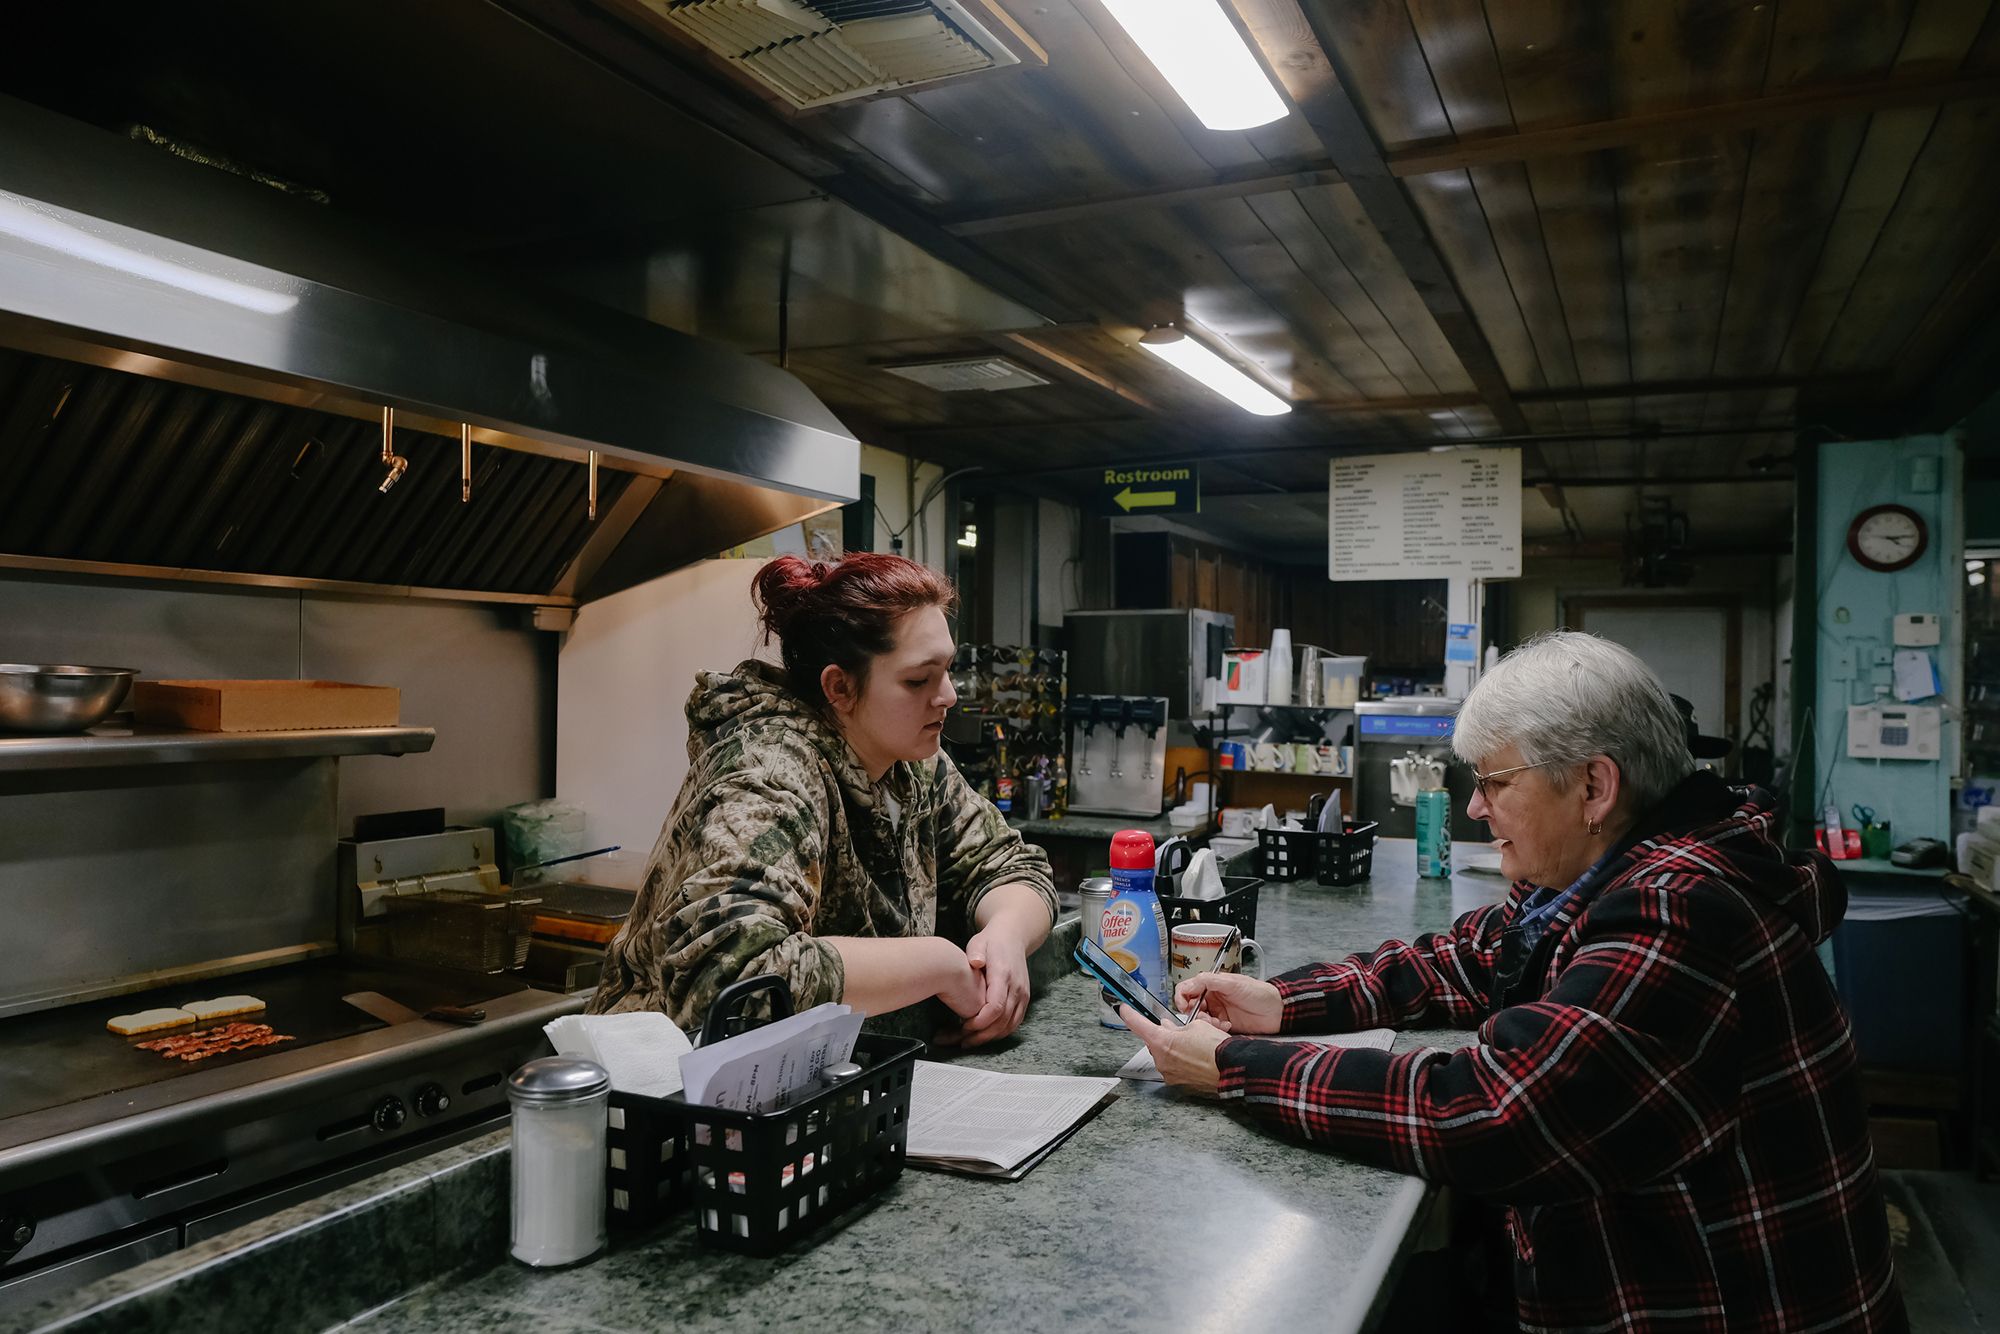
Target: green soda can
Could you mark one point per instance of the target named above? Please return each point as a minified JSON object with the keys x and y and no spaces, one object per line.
{"x":1434,"y":832}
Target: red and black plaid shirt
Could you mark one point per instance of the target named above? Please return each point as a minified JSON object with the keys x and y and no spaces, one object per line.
{"x":1667,"y":1097}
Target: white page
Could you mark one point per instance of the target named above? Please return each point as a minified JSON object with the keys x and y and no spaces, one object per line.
{"x":763,"y":1069}
{"x":640,"y":1050}
{"x":1378,"y":1039}
{"x":1916,"y":675}
{"x":987,"y":1117}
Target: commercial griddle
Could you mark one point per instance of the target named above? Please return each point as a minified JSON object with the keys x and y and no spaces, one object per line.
{"x":110,"y":1154}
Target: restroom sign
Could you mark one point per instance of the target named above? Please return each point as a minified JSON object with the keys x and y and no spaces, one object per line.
{"x":1148,"y":488}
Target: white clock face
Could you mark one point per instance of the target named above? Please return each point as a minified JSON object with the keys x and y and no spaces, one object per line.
{"x":1888,"y":538}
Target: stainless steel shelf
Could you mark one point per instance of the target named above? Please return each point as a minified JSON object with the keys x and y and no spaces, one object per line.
{"x":109,"y":746}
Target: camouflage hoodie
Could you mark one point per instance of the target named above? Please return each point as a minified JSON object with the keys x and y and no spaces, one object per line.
{"x":778,"y":839}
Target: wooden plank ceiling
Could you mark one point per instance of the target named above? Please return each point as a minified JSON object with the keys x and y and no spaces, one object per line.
{"x":1638,"y":235}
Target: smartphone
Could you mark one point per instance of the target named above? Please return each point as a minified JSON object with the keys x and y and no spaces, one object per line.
{"x":1124,"y":986}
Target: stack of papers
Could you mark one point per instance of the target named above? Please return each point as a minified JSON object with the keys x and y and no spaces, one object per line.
{"x":1378,"y":1039}
{"x":641,"y":1051}
{"x":768,"y":1069}
{"x":986,"y":1124}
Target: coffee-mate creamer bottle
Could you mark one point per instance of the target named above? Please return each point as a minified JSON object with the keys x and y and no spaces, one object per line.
{"x":1135,"y":927}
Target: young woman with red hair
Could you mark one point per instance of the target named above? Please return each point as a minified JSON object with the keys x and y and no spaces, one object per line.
{"x":822,"y":836}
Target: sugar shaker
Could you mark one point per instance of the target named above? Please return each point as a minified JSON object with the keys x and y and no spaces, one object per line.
{"x":560,"y":1110}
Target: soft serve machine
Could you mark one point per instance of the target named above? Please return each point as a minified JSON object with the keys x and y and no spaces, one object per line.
{"x":1403,"y":746}
{"x":1118,"y":754}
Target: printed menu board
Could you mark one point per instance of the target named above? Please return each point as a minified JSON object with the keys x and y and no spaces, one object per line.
{"x":1425,"y":516}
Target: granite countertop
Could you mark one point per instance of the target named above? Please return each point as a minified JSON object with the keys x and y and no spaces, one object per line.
{"x":1099,"y":826}
{"x":1165,"y":1212}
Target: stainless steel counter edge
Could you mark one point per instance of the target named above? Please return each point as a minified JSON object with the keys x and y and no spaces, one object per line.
{"x":87,"y":751}
{"x":191,"y":1111}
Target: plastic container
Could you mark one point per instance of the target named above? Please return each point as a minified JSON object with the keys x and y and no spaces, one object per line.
{"x":761,"y":1181}
{"x":1237,"y":907}
{"x":558,"y":1151}
{"x":1135,"y":930}
{"x":1286,"y":854}
{"x":1346,"y":858}
{"x":542,"y":831}
{"x":1340,"y":681}
{"x":1899,"y":965}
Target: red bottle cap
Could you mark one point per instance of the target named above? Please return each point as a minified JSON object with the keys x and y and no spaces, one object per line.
{"x":1131,"y":850}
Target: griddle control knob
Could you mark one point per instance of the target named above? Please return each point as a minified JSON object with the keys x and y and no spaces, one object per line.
{"x":432,"y":1099}
{"x":390,"y":1113}
{"x":16,"y":1231}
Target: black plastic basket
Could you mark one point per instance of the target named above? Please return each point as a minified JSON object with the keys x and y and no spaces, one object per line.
{"x":760,"y":1181}
{"x":1286,"y":854}
{"x":1237,"y":907}
{"x":1346,"y":858}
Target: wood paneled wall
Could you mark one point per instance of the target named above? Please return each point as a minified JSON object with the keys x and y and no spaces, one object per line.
{"x":1398,"y":624}
{"x":1228,"y":581}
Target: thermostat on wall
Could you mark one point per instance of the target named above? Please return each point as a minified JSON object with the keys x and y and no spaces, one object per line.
{"x":1878,"y":733}
{"x":1917,"y":629}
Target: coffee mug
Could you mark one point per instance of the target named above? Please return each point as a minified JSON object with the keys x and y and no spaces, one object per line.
{"x":1197,"y":948}
{"x":1239,"y":822}
{"x":1270,"y":757}
{"x":1305,"y":757}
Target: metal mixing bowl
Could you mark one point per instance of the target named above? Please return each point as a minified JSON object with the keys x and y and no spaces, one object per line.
{"x":41,"y":698}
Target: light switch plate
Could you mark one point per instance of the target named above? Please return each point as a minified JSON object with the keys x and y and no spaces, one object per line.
{"x":1917,"y":629}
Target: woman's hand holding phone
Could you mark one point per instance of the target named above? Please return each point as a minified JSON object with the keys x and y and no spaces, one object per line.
{"x":1185,"y":1056}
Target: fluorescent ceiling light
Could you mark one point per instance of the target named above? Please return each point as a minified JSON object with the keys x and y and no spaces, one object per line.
{"x":1196,"y":362}
{"x":38,"y":224}
{"x":1197,"y":49}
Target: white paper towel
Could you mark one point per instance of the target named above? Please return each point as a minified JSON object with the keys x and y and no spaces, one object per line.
{"x":1203,"y":877}
{"x":641,"y":1051}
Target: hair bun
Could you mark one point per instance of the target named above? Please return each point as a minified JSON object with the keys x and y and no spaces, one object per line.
{"x":843,"y":612}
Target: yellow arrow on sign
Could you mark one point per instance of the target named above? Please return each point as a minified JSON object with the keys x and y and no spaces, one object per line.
{"x":1129,"y":500}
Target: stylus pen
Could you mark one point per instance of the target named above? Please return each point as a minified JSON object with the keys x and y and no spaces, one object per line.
{"x":1227,"y":941}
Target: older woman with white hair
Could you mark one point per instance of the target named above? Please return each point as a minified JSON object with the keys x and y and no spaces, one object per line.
{"x":1664,"y":1092}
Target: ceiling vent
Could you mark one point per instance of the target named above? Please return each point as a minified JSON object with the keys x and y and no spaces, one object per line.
{"x":833,"y":50}
{"x":969,"y":373}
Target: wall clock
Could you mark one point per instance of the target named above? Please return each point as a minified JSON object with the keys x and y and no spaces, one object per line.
{"x":1888,"y":538}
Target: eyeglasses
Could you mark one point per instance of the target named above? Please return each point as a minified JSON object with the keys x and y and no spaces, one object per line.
{"x":1480,"y":780}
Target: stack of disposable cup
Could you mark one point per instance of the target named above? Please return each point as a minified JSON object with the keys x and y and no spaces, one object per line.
{"x":1278,"y":683}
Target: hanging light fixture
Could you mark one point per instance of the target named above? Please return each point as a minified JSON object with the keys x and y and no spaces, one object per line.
{"x":1197,"y":362}
{"x":1197,"y":49}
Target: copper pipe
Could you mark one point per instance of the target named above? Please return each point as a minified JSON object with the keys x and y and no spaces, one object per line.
{"x":465,"y":463}
{"x":395,"y":463}
{"x":593,"y":484}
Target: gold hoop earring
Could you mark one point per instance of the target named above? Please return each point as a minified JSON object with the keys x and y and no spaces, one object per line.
{"x":1593,"y":826}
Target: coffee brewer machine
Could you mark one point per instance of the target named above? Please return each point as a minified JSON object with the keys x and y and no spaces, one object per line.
{"x":1117,"y":754}
{"x":1417,"y":732}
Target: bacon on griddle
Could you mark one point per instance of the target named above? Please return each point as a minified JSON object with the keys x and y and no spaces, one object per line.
{"x":214,"y":1041}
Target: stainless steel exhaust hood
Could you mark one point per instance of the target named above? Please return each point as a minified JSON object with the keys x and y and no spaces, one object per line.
{"x":121,"y":257}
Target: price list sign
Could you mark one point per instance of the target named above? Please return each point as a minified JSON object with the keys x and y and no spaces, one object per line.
{"x":1425,"y":516}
